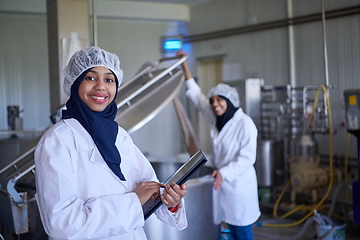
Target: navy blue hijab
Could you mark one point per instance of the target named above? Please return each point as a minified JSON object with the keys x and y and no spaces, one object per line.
{"x":100,"y":125}
{"x":228,"y":114}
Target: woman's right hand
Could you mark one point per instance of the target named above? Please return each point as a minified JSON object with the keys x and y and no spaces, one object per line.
{"x":181,"y":54}
{"x":147,"y":190}
{"x":184,"y":65}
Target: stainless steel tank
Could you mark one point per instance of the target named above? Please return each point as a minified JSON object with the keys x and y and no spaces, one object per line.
{"x":199,"y":210}
{"x":270,"y":165}
{"x":12,"y":143}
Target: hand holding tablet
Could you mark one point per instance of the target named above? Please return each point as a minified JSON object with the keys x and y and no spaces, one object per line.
{"x":179,"y":177}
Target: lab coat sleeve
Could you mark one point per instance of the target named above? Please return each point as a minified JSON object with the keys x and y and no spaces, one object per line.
{"x":147,"y":171}
{"x":64,"y":214}
{"x":177,"y":219}
{"x":246,"y":156}
{"x":200,"y":101}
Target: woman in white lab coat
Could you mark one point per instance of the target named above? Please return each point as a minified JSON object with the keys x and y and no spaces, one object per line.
{"x":234,"y":141}
{"x":91,"y":179}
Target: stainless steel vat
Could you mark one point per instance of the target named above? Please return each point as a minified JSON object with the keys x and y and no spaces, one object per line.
{"x":199,"y":210}
{"x":15,"y":220}
{"x":270,"y":164}
{"x":143,"y":96}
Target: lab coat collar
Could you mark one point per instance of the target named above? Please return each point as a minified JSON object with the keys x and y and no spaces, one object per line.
{"x":82,"y":142}
{"x":215,"y":132}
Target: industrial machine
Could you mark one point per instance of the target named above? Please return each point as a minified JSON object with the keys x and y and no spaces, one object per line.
{"x":14,"y":119}
{"x":138,"y":101}
{"x":352,"y":116}
{"x":307,"y":176}
{"x":287,"y":119}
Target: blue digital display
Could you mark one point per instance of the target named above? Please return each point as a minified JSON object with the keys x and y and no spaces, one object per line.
{"x":172,"y":44}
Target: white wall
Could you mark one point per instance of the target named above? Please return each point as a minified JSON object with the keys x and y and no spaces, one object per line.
{"x":24,"y":77}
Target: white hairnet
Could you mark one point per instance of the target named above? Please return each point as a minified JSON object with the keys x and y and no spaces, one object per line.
{"x":89,"y":58}
{"x":227,"y":91}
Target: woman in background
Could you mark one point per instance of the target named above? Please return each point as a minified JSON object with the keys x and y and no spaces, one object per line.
{"x":234,"y":141}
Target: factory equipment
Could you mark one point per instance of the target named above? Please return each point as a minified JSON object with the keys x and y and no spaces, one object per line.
{"x":138,"y":101}
{"x":143,"y":96}
{"x":15,"y":122}
{"x":13,"y":143}
{"x":352,"y":116}
{"x":289,"y":123}
{"x":270,"y":159}
{"x":306,"y":174}
{"x":269,"y":162}
{"x":287,"y":148}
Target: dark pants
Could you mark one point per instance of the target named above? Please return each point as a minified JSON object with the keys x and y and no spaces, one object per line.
{"x":241,"y":232}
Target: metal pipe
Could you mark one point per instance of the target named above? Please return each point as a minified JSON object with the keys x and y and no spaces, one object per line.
{"x":22,"y":174}
{"x":94,"y":22}
{"x":315,"y":87}
{"x":291,"y":45}
{"x":325,"y":45}
{"x":325,"y":58}
{"x":13,"y":163}
{"x":274,"y":24}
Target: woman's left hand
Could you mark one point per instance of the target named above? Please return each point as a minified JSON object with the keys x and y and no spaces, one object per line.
{"x":173,"y":194}
{"x":218,"y":179}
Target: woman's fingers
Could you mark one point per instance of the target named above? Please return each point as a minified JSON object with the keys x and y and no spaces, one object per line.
{"x":147,"y":190}
{"x":173,"y":194}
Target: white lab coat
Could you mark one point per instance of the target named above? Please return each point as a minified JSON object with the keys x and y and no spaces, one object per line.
{"x":234,"y":155}
{"x":78,"y":195}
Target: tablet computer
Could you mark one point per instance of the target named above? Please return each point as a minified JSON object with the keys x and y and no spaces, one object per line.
{"x":180,"y":176}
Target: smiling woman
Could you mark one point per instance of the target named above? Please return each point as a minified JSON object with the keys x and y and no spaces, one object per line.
{"x":98,"y":89}
{"x":91,"y":179}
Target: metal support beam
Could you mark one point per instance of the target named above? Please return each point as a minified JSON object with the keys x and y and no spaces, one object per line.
{"x":68,"y":31}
